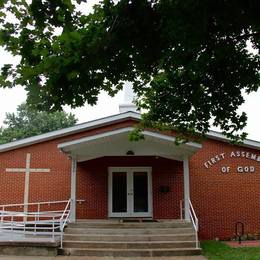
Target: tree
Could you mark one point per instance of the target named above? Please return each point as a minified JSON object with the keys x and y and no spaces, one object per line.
{"x":188,"y":60}
{"x":29,"y":122}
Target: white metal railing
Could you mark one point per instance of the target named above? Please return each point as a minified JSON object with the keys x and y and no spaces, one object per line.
{"x":37,"y":221}
{"x":64,"y":219}
{"x":193,"y":217}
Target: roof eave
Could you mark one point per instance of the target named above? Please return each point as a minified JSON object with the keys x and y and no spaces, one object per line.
{"x":220,"y":137}
{"x":99,"y":123}
{"x":69,"y":131}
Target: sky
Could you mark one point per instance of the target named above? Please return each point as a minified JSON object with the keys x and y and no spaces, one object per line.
{"x":11,"y":98}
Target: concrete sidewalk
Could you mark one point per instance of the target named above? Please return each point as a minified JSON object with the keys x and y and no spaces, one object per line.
{"x":100,"y":258}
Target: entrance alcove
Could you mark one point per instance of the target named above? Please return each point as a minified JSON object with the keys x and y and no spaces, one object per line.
{"x":98,"y":160}
{"x":94,"y":185}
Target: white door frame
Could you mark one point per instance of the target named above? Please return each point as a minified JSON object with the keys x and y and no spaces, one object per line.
{"x":130,"y":203}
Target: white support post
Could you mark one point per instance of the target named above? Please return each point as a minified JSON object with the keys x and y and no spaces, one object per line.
{"x":73,"y":190}
{"x":186,"y":176}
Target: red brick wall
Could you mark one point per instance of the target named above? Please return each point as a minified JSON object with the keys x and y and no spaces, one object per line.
{"x":92,"y":185}
{"x":167,"y":173}
{"x":43,"y":186}
{"x":221,"y":200}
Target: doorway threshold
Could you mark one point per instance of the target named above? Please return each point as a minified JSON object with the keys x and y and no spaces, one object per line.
{"x":138,"y":220}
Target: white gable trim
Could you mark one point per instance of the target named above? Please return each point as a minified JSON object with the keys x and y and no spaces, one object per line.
{"x":69,"y":131}
{"x":220,"y":137}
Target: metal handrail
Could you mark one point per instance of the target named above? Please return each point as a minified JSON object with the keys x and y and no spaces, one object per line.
{"x":50,"y":224}
{"x":35,"y":203}
{"x":194,"y":214}
{"x":62,"y":225}
{"x":193,"y":217}
{"x":66,"y":208}
{"x":36,"y":222}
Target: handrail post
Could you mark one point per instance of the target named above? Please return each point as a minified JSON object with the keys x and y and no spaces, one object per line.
{"x":35,"y":216}
{"x":194,"y":221}
{"x":2,"y":217}
{"x":197,"y":230}
{"x":24,"y":226}
{"x":197,"y":240}
{"x":12,"y":222}
{"x":53,"y":227}
{"x":39,"y":205}
{"x":61,"y":240}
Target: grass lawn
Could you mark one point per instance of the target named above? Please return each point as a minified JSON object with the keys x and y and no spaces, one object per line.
{"x":218,"y":250}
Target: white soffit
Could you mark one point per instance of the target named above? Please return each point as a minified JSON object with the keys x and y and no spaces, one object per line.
{"x":116,"y":143}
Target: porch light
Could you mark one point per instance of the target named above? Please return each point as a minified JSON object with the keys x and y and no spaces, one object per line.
{"x":130,"y":152}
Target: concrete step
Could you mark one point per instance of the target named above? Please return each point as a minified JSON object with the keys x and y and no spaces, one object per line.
{"x":132,"y":231}
{"x":129,"y":245}
{"x":130,"y":252}
{"x":137,"y":239}
{"x":164,"y":224}
{"x":15,"y":245}
{"x":125,"y":238}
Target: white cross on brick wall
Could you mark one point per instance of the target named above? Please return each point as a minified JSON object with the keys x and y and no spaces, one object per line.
{"x":27,"y":170}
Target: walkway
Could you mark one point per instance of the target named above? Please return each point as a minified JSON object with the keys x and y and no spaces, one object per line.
{"x":100,"y":258}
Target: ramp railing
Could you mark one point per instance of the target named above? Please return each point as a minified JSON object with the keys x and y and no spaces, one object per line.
{"x":193,"y":218}
{"x":42,"y":218}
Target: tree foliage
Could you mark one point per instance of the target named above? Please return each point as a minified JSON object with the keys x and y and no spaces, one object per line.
{"x":29,"y":122}
{"x":188,"y":60}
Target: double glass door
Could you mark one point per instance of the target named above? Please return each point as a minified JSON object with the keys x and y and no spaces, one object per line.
{"x":130,"y":193}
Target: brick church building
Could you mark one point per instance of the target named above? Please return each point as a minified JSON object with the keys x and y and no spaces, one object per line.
{"x":108,"y":176}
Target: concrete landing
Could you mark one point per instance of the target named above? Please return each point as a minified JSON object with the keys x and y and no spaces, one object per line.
{"x":9,"y":237}
{"x":27,"y":245}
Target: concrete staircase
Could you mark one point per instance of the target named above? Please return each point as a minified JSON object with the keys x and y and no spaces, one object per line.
{"x":118,"y":239}
{"x":115,"y":238}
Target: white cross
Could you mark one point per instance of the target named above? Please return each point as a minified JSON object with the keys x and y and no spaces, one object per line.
{"x":27,"y":170}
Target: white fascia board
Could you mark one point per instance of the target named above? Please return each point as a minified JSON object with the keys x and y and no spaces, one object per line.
{"x":69,"y":130}
{"x":68,"y":145}
{"x":247,"y":142}
{"x":171,"y":139}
